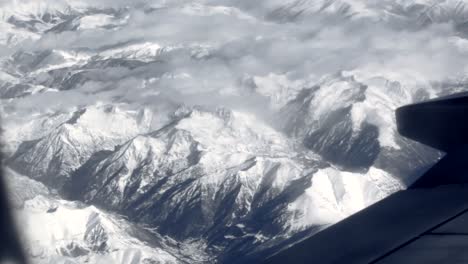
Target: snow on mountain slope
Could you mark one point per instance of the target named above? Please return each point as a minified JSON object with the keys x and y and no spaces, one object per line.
{"x":233,"y":128}
{"x":144,"y":51}
{"x":279,"y":89}
{"x":26,"y":20}
{"x":36,"y":16}
{"x":362,"y":106}
{"x":22,"y":188}
{"x":53,"y":157}
{"x":222,"y":176}
{"x":199,"y":9}
{"x":30,"y":64}
{"x":10,"y":35}
{"x":58,"y":231}
{"x":200,"y":152}
{"x":334,"y":194}
{"x":424,"y":11}
{"x":95,"y":21}
{"x":295,"y":9}
{"x":61,"y":230}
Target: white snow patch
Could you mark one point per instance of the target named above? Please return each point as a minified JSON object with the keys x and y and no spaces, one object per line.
{"x":146,"y":51}
{"x":96,"y":21}
{"x":334,"y":195}
{"x":279,"y":88}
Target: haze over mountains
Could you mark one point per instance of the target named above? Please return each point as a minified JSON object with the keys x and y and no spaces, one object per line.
{"x":212,"y":131}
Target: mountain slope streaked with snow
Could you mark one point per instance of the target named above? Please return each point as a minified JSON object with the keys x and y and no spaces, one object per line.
{"x":212,"y":131}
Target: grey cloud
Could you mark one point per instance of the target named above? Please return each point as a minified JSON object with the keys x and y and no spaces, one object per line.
{"x":240,"y":47}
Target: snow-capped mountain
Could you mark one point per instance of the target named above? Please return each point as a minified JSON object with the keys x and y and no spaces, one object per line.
{"x":58,"y":231}
{"x":71,"y":143}
{"x":212,"y":131}
{"x":415,"y":11}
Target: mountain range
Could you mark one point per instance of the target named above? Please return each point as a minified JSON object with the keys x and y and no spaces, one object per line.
{"x":212,"y":131}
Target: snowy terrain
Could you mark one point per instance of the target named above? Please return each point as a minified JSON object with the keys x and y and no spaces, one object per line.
{"x":58,"y":231}
{"x":212,"y":131}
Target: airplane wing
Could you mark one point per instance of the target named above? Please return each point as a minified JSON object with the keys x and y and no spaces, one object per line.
{"x":427,"y":223}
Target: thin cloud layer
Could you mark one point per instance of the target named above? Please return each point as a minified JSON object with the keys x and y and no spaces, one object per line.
{"x":208,"y":49}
